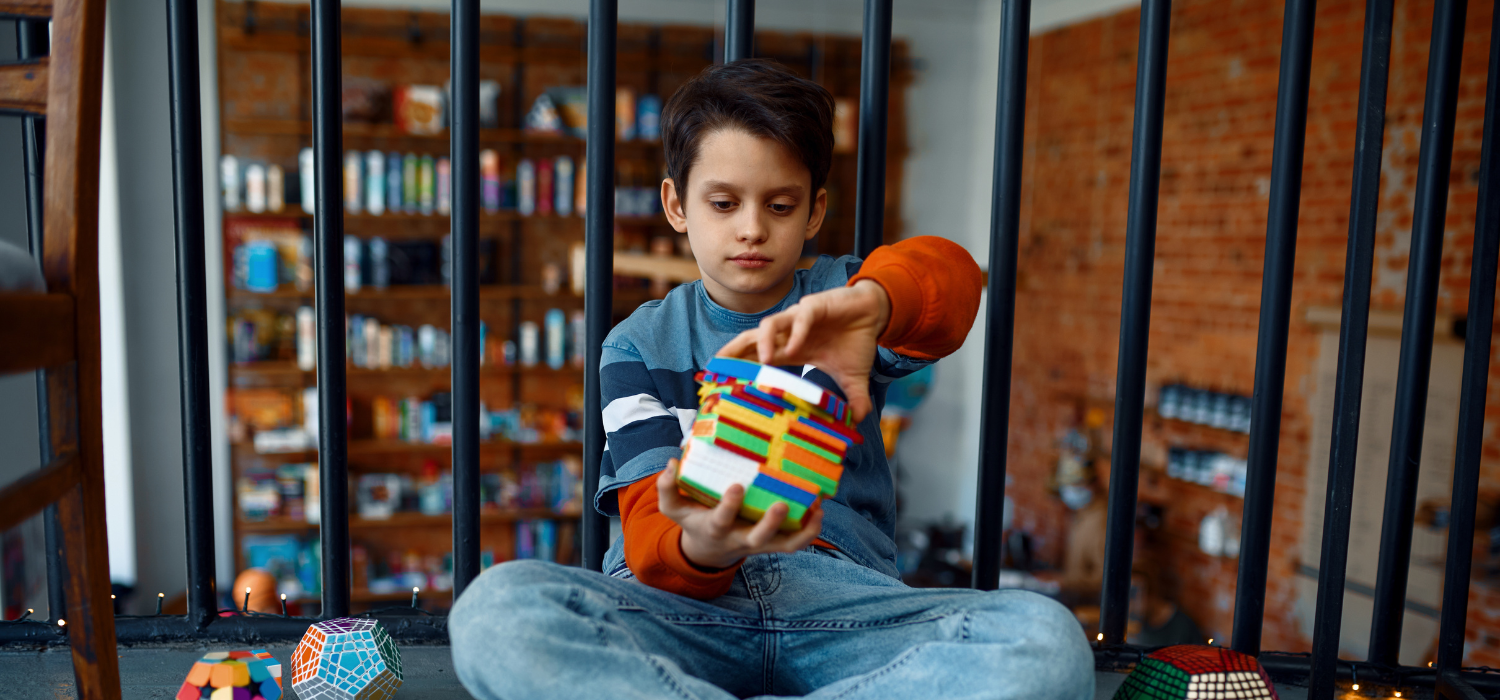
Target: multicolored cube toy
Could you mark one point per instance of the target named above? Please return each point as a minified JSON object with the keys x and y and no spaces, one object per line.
{"x":233,"y":675}
{"x":347,"y":658}
{"x":1193,"y":671}
{"x":781,"y":437}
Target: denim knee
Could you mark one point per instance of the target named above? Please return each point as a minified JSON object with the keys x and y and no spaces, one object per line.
{"x":500,"y":608}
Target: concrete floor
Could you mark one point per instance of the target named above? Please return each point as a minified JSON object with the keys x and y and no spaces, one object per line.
{"x":157,"y":672}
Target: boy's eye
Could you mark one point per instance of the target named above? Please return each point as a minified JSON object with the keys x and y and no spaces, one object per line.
{"x":722,"y":205}
{"x":782,"y":208}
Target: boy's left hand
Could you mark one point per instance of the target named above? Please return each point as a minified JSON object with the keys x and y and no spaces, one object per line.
{"x":835,"y":330}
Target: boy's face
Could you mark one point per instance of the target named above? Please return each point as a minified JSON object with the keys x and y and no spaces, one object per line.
{"x":747,"y":210}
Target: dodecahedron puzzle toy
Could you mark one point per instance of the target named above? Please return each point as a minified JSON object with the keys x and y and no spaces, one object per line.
{"x":781,"y":437}
{"x":1193,"y":671}
{"x":233,"y":675}
{"x":348,"y":658}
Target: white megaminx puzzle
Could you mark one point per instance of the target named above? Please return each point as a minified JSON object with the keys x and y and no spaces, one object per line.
{"x":715,"y":468}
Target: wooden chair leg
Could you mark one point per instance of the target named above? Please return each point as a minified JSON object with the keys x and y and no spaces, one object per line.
{"x":90,"y":621}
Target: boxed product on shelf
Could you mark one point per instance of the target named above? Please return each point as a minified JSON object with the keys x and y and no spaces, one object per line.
{"x":293,"y":560}
{"x":419,"y":109}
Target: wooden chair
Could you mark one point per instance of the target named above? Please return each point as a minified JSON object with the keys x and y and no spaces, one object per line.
{"x":58,"y":332}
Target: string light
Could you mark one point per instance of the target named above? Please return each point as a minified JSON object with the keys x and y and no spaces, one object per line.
{"x":1210,"y":641}
{"x":414,"y":591}
{"x":1355,"y":687}
{"x":283,"y":605}
{"x":1398,"y":693}
{"x":159,"y":598}
{"x":246,"y":608}
{"x":61,"y":622}
{"x":1101,"y":636}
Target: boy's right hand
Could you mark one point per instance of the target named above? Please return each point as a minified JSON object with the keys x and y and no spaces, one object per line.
{"x":715,"y":538}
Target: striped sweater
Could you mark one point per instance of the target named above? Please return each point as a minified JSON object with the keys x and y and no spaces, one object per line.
{"x":650,"y":401}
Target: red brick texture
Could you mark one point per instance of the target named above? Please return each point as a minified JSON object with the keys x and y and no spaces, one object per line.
{"x":1216,"y":165}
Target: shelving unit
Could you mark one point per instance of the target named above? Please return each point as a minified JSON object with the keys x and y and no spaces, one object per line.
{"x":265,"y":117}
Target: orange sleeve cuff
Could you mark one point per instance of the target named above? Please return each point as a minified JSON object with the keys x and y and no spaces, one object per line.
{"x":934,"y":286}
{"x":653,"y":547}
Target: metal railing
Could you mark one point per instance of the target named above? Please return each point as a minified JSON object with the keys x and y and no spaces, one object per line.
{"x":1321,"y":670}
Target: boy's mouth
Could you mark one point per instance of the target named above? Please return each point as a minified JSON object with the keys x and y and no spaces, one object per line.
{"x":751,"y":260}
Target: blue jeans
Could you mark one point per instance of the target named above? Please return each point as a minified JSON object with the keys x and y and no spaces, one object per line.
{"x":809,"y":624}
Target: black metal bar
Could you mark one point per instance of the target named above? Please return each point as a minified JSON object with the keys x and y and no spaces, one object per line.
{"x":739,"y":30}
{"x":1475,"y":381}
{"x":1433,"y":166}
{"x":1353,"y":330}
{"x":253,"y":629}
{"x":874,"y":101}
{"x":465,"y":275}
{"x":328,"y":227}
{"x":1000,"y":318}
{"x":1275,"y":315}
{"x":32,"y":42}
{"x":192,"y":307}
{"x":1452,"y":687}
{"x":1135,"y":315}
{"x":599,"y":260}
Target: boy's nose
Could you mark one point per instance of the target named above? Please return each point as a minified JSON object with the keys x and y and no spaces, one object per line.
{"x":752,"y":229}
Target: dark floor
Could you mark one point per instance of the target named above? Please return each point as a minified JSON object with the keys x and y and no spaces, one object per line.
{"x":157,"y":672}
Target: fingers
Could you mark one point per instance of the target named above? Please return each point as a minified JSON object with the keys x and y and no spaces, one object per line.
{"x":768,"y":335}
{"x":723,"y":516}
{"x":859,"y":401}
{"x":741,"y":345}
{"x":802,"y":325}
{"x":812,"y":526}
{"x":668,"y":500}
{"x":765,"y":530}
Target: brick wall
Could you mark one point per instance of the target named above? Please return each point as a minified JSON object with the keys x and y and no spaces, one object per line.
{"x":1216,"y":163}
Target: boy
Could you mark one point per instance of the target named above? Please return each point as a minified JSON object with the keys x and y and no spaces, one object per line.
{"x":737,"y":609}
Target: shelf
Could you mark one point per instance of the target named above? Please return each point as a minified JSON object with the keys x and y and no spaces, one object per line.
{"x":404,"y":520}
{"x":277,"y":373}
{"x":415,"y":291}
{"x":370,"y":448}
{"x":358,"y":130}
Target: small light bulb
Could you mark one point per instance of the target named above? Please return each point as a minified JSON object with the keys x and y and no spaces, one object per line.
{"x":247,"y":589}
{"x":111,"y":596}
{"x":161,"y":595}
{"x":1101,"y":636}
{"x":415,"y":589}
{"x":61,"y":622}
{"x":1355,"y":687}
{"x":1429,"y":664}
{"x":283,"y":596}
{"x":30,"y":611}
{"x":1398,"y":693}
{"x":1210,"y":640}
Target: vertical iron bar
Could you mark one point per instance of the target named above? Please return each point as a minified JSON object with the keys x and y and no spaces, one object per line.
{"x":874,"y":101}
{"x":1000,"y":318}
{"x":192,"y":307}
{"x":1354,"y":327}
{"x":464,"y":26}
{"x":1433,"y":165}
{"x":328,"y":224}
{"x":1476,"y":372}
{"x":739,"y":30}
{"x":1275,"y":315}
{"x":599,"y":260}
{"x":32,"y":42}
{"x":1135,"y":315}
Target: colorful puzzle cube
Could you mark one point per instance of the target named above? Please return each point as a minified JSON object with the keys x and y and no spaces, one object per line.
{"x":233,"y":675}
{"x":1193,"y":671}
{"x":348,"y":658}
{"x":781,"y":437}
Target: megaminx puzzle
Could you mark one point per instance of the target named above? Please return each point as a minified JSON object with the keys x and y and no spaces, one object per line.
{"x":1193,"y":671}
{"x":347,"y":658}
{"x":781,"y":437}
{"x":233,"y":675}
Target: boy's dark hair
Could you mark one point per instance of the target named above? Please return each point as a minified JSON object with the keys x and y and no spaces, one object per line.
{"x":755,"y":94}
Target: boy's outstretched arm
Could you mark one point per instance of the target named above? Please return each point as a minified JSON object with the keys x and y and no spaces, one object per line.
{"x":917,"y":298}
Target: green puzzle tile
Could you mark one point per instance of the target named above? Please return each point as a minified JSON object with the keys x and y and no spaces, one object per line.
{"x":761,"y":500}
{"x":828,"y":487}
{"x":815,"y":449}
{"x":729,"y":433}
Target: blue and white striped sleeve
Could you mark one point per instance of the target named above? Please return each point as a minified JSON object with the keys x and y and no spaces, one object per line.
{"x":643,"y":424}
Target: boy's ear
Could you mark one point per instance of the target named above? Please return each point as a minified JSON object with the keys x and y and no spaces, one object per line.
{"x":815,"y":216}
{"x":670,"y":204}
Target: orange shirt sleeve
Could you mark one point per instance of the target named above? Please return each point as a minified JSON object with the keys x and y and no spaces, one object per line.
{"x":934,"y":286}
{"x":653,"y":547}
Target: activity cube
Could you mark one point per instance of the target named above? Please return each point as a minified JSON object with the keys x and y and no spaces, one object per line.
{"x":347,"y":658}
{"x":233,"y":675}
{"x":1194,"y":671}
{"x":781,"y":437}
